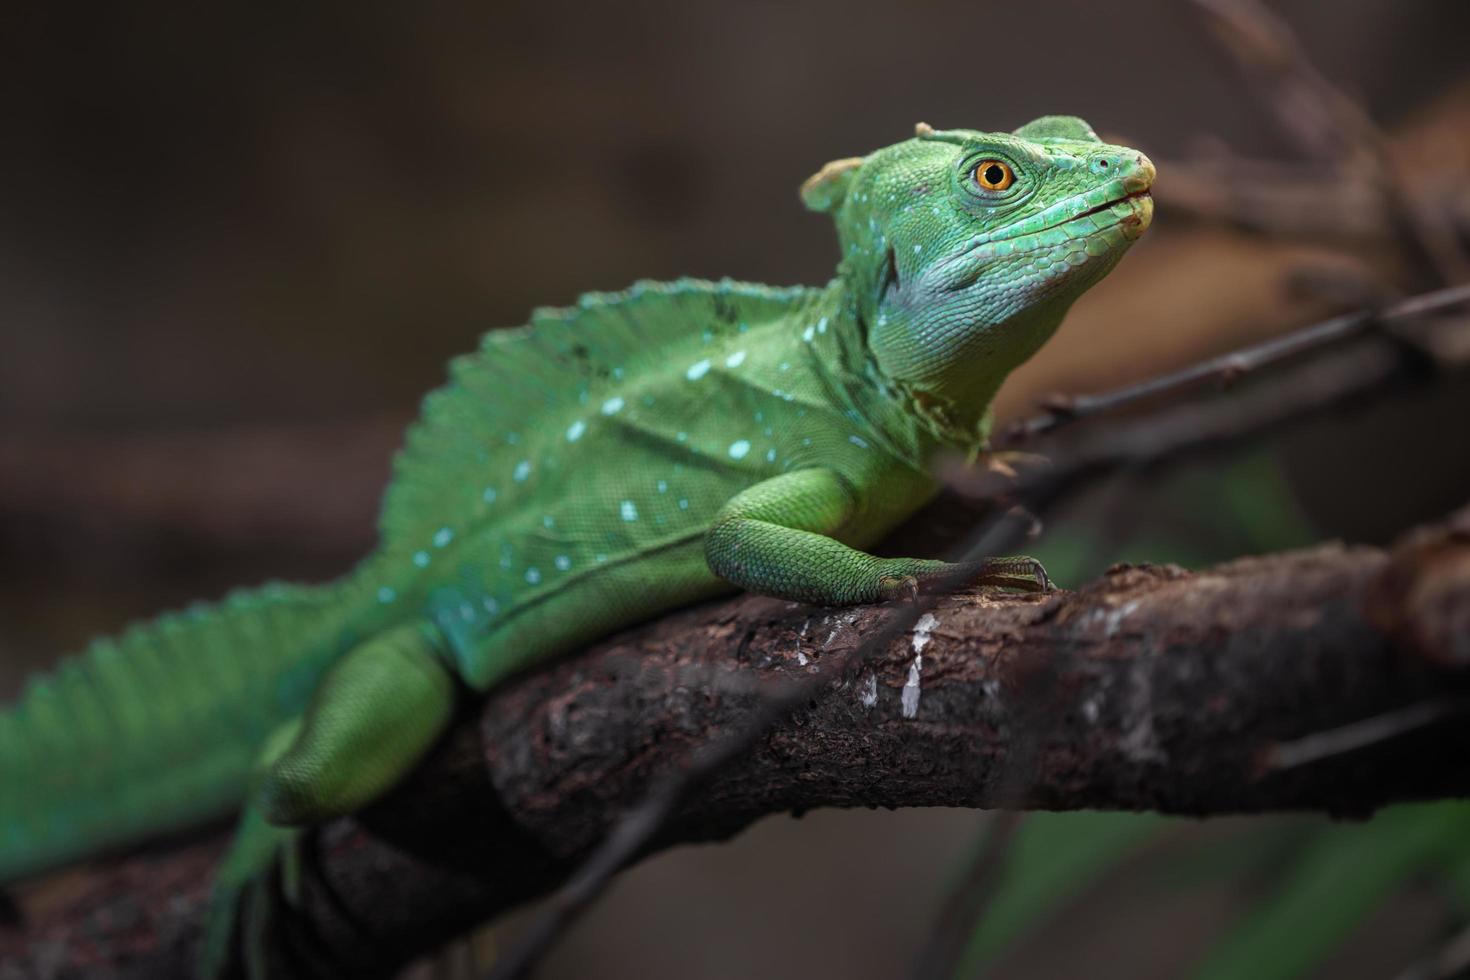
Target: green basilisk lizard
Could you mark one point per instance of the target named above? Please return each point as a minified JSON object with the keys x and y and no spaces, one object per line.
{"x":635,"y":452}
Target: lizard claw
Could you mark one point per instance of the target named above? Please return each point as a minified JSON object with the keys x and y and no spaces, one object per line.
{"x":1038,"y":571}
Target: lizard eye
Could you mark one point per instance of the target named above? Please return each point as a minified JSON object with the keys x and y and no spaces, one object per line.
{"x":994,"y":175}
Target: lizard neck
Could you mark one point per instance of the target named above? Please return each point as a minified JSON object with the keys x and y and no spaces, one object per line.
{"x":913,"y":422}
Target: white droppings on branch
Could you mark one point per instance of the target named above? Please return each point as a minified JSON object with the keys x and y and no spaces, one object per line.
{"x":869,"y":695}
{"x":910,"y":695}
{"x":1091,"y":709}
{"x":923,"y":633}
{"x":843,"y":619}
{"x":1114,"y":619}
{"x":1139,"y":743}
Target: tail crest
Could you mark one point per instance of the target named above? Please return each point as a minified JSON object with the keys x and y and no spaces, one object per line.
{"x":156,"y":729}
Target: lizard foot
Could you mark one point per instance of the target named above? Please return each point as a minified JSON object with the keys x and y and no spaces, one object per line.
{"x":248,"y":931}
{"x":898,"y":588}
{"x":1020,"y":573}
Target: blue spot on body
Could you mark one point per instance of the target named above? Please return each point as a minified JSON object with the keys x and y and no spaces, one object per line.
{"x":575,"y":430}
{"x":421,"y":559}
{"x":533,"y":575}
{"x":443,"y":536}
{"x":385,"y":594}
{"x":735,"y":360}
{"x":562,"y":563}
{"x":770,"y":455}
{"x":548,"y":521}
{"x":628,"y":510}
{"x":522,"y":471}
{"x":858,"y":441}
{"x":697,"y":370}
{"x":739,"y":448}
{"x":663,"y":486}
{"x":683,"y":503}
{"x":613,"y":405}
{"x":489,"y":495}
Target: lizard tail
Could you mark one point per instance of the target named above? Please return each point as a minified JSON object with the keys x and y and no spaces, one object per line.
{"x":156,"y":730}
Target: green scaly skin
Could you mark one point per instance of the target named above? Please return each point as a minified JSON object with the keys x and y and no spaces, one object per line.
{"x":633,"y":453}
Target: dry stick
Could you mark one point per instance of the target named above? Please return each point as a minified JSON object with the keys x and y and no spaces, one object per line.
{"x":1062,"y":410}
{"x":1350,"y":738}
{"x":1279,"y":200}
{"x":1322,"y":118}
{"x":968,"y":900}
{"x":1133,"y":444}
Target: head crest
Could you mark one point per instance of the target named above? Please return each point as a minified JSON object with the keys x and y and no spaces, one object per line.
{"x":924,"y":131}
{"x":826,"y":189}
{"x":1058,"y":128}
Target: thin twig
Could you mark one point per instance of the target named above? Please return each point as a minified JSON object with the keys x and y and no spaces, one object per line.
{"x":1328,"y":124}
{"x":1229,"y":367}
{"x":966,"y":903}
{"x":1350,"y":738}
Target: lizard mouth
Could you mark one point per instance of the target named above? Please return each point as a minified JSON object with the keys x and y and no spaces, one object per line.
{"x":1134,"y":221}
{"x":1138,"y":196}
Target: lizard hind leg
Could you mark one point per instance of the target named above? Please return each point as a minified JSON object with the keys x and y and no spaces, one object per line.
{"x":229,"y":946}
{"x":375,"y":714}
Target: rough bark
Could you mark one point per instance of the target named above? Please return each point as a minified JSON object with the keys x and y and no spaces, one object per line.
{"x":1150,"y":689}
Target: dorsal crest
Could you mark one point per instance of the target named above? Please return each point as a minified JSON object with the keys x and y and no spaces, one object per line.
{"x":478,"y":436}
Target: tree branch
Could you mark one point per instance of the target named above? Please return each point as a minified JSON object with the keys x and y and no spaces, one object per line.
{"x":1152,"y":688}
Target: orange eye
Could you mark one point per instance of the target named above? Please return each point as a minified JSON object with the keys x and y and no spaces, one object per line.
{"x":994,"y":175}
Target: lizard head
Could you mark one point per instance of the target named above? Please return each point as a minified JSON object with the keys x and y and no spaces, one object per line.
{"x":963,"y":250}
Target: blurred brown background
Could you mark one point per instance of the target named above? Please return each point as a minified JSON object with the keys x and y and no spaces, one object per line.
{"x":240,"y":241}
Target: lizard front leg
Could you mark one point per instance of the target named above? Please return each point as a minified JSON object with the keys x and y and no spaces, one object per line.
{"x":775,"y":539}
